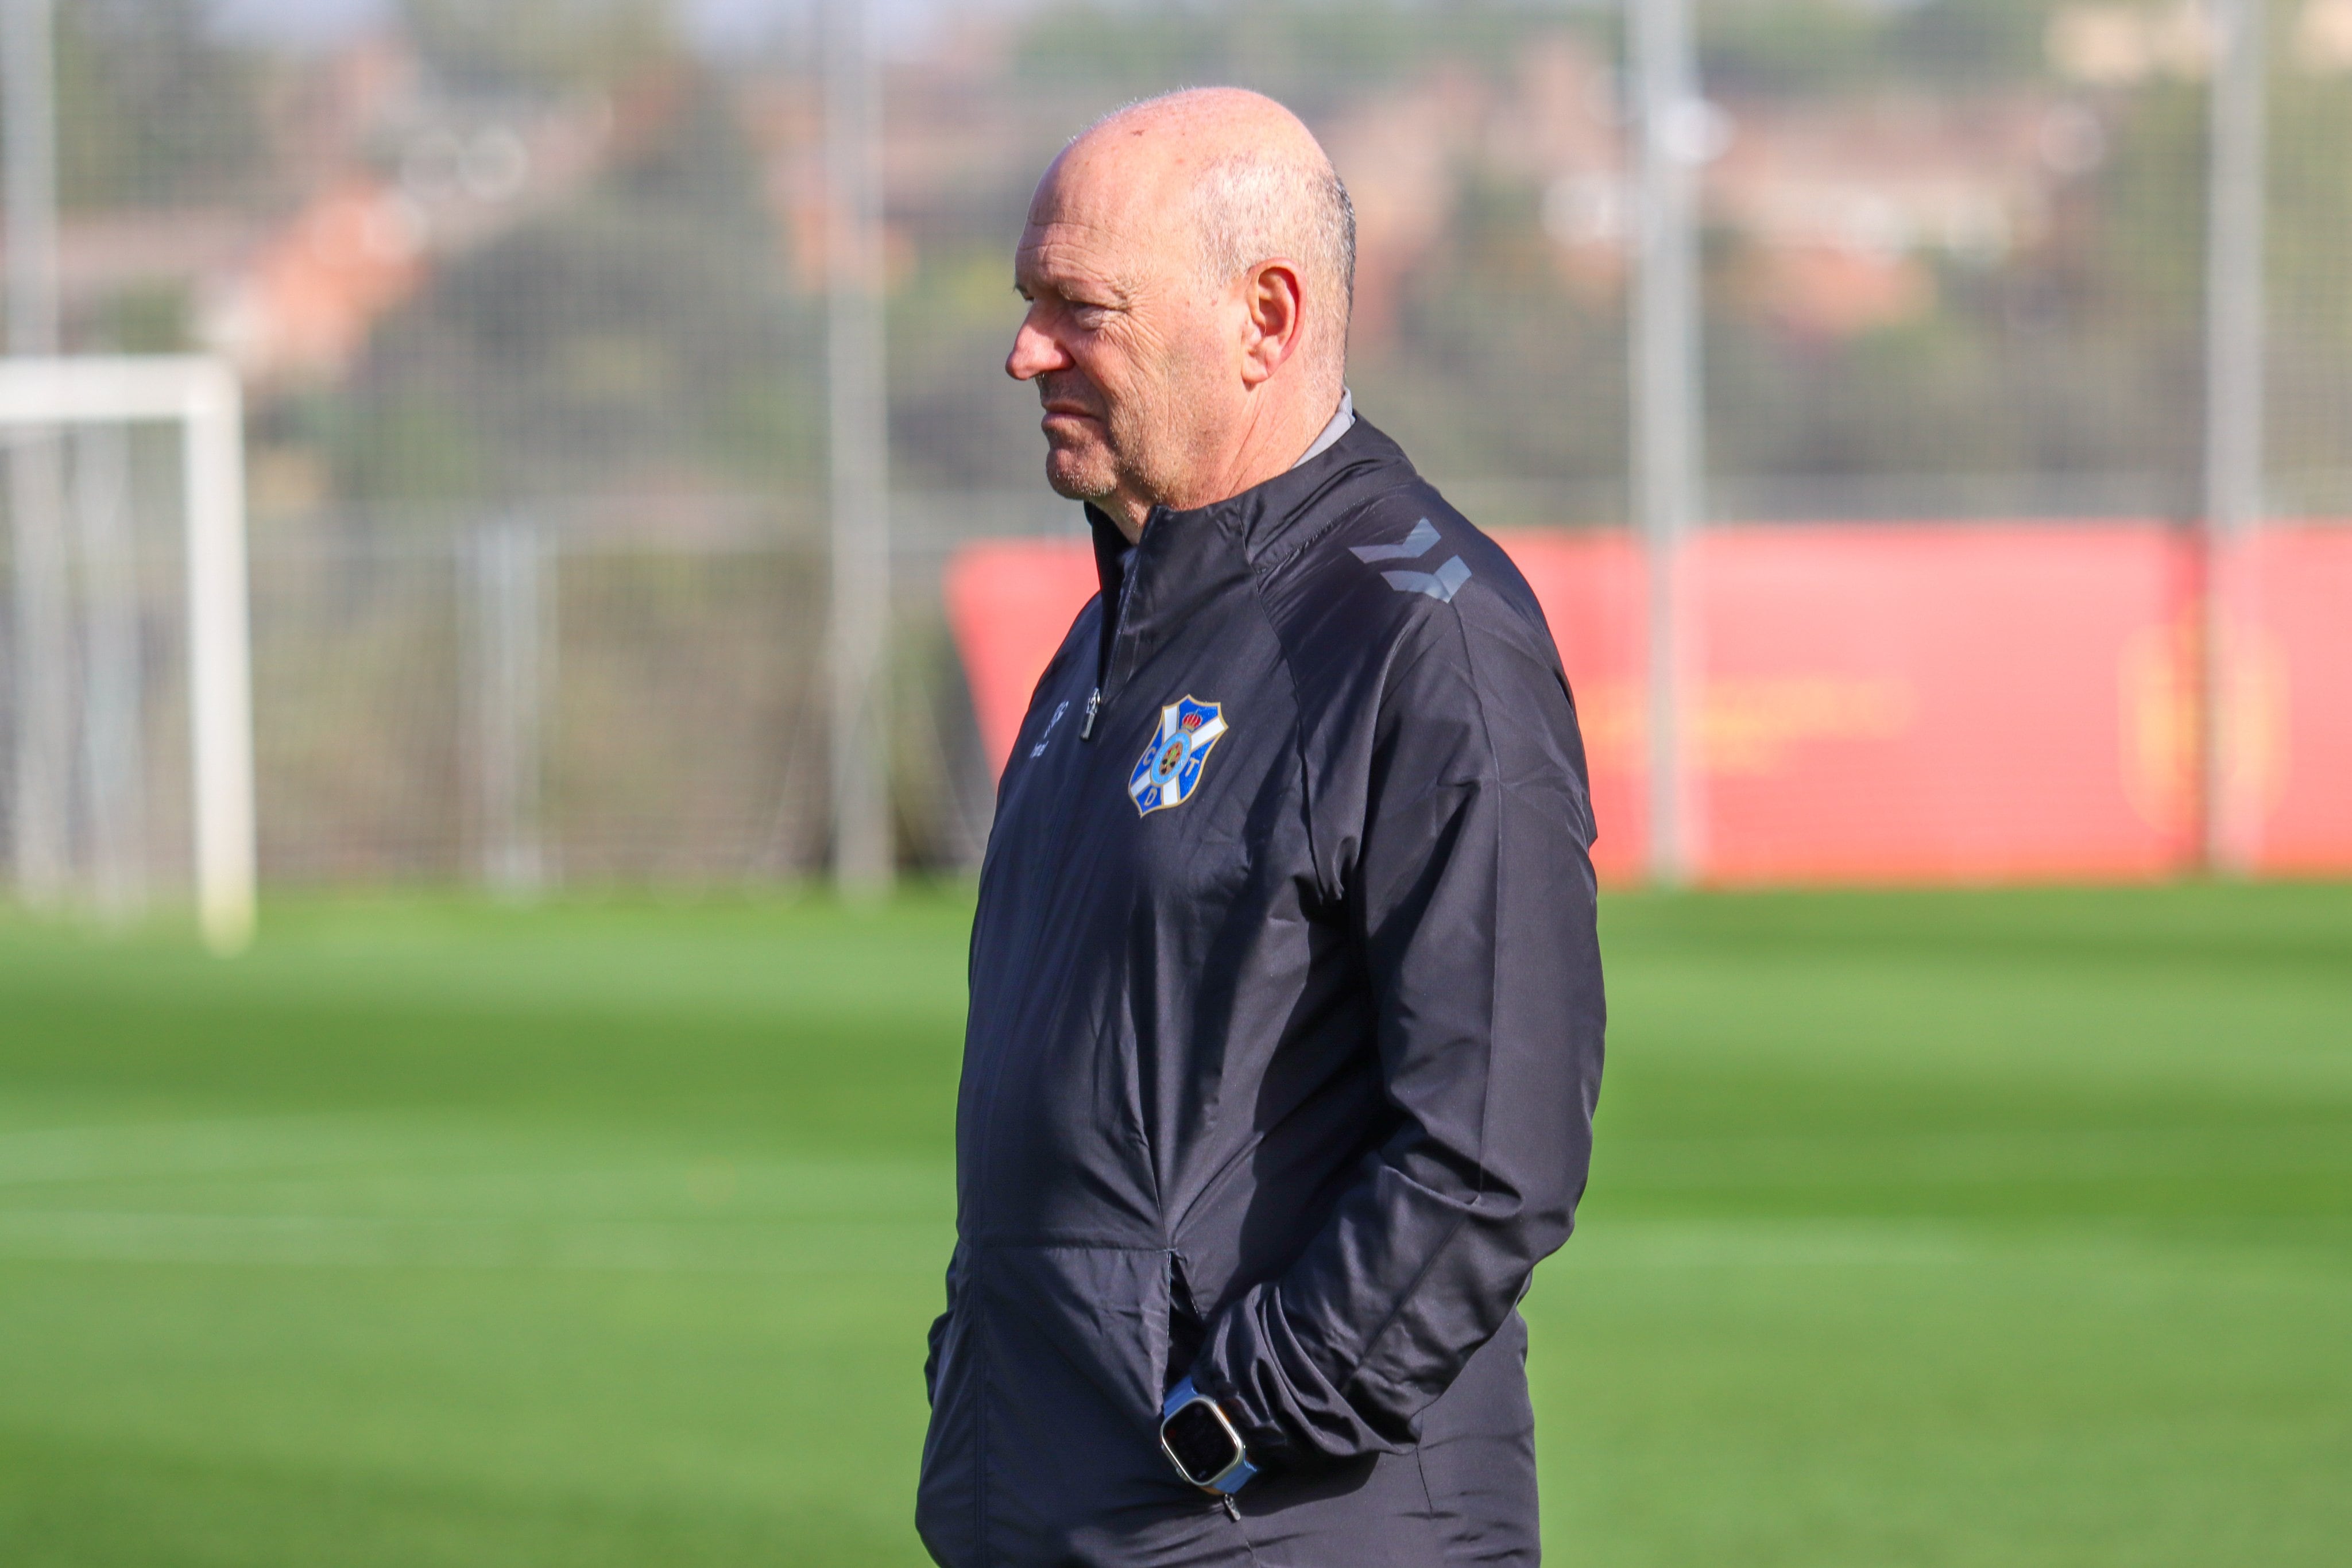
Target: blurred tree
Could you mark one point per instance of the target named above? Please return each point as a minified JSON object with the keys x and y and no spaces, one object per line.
{"x":145,"y":318}
{"x":1496,"y":368}
{"x":154,"y":109}
{"x":2310,"y":399}
{"x":956,"y":419}
{"x":2072,"y":361}
{"x":642,"y":335}
{"x":1973,"y":43}
{"x":505,"y":44}
{"x":1790,"y":48}
{"x":649,"y":329}
{"x":1301,"y":51}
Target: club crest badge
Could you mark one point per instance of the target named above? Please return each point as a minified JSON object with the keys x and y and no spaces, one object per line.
{"x":1170,"y":766}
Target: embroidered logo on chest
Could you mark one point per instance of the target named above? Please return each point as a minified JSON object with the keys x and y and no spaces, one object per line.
{"x":1169,"y":767}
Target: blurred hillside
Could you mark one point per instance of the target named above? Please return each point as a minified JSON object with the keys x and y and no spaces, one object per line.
{"x":544,"y":250}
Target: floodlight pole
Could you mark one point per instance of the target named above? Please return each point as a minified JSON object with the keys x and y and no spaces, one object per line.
{"x":862,"y":856}
{"x":42,"y":643}
{"x":2234,"y":419}
{"x":1667,"y":418}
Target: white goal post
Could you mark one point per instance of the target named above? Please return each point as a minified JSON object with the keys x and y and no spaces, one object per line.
{"x":202,"y":396}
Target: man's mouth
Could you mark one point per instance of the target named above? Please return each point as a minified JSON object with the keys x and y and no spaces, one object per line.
{"x":1062,"y":396}
{"x":1064,"y":422}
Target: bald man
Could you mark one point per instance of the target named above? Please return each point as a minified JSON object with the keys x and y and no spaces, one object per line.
{"x":1286,"y":1023}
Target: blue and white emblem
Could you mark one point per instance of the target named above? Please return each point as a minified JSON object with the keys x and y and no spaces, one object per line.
{"x":1170,"y":766}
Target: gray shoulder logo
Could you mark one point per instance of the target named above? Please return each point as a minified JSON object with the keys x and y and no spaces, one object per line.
{"x":1441,"y":585}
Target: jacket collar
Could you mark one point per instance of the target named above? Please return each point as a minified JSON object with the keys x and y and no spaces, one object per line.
{"x":1187,"y":557}
{"x":1261,"y":518}
{"x":1273,"y":519}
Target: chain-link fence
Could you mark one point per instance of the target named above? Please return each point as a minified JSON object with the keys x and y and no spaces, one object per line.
{"x":528,"y":298}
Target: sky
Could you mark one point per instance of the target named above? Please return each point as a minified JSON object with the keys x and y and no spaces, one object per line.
{"x":718,"y":27}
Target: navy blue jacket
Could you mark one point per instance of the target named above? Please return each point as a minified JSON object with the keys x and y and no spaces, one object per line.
{"x":1285,"y":1039}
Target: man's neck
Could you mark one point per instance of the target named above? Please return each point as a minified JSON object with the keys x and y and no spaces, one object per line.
{"x":1332,"y":430}
{"x":1261,"y":454}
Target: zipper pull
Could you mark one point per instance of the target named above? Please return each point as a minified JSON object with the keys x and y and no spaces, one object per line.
{"x":1232,"y":1509}
{"x":1094,"y":706}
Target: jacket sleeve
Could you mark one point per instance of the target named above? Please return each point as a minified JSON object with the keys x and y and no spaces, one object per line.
{"x":1470,"y":892}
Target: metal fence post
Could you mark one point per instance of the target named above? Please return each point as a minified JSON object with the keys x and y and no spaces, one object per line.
{"x":2233,"y":435}
{"x":1667,"y":435}
{"x":508,"y":687}
{"x":859,"y":417}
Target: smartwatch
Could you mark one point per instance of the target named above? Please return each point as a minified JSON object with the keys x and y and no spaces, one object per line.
{"x":1202,"y":1444}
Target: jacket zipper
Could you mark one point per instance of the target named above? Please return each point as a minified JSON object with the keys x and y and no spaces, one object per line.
{"x":1109,"y":661}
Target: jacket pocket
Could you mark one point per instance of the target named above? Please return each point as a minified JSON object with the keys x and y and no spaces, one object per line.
{"x":1091,"y":1322}
{"x":938,"y":1335}
{"x":1076,"y":1343}
{"x":949,"y":1497}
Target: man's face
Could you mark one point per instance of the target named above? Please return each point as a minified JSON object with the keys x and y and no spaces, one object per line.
{"x":1121,"y":339}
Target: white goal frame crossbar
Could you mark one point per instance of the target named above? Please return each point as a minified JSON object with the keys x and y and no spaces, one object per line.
{"x":203,"y":396}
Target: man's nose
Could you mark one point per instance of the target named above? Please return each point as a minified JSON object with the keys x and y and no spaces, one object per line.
{"x":1034,"y":353}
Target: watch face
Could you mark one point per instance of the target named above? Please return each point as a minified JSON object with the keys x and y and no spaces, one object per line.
{"x":1203,"y":1447}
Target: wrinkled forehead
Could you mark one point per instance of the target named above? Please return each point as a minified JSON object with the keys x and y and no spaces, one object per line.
{"x":1119,"y":215}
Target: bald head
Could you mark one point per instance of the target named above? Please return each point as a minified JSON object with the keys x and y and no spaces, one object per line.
{"x":1188,"y":262}
{"x":1246,"y":181}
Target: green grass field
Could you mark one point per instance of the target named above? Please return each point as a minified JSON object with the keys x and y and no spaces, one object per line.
{"x":1998,"y":1229}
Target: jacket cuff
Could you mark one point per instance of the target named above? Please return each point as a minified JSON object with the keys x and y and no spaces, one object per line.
{"x":1284,"y":1404}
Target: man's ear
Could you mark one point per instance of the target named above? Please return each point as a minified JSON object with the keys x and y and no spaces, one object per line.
{"x":1276,"y":313}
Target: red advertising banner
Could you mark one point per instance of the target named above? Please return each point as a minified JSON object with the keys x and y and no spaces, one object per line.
{"x":1010,"y":602}
{"x":2299,"y":680}
{"x":1905,"y":703}
{"x":1886,"y":702}
{"x":1594,"y":588}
